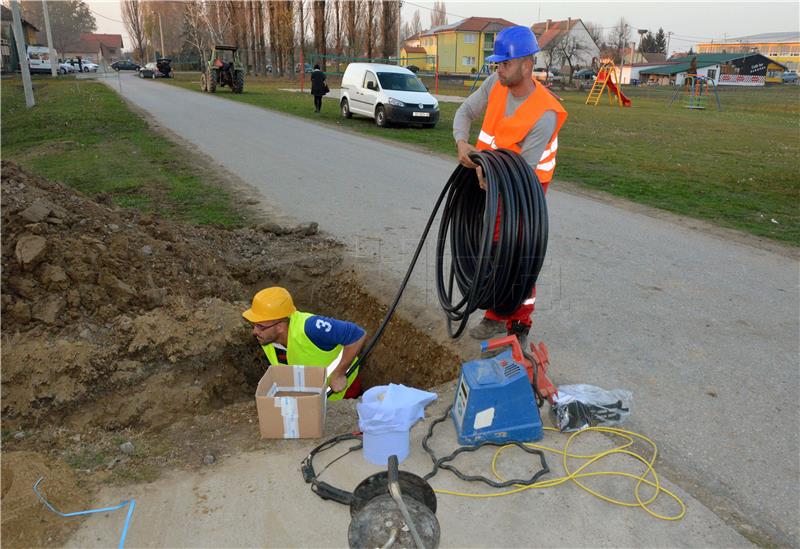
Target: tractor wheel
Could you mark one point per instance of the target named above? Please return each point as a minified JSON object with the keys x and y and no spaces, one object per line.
{"x":380,"y":117}
{"x":212,"y":81}
{"x":346,"y":109}
{"x":238,"y":82}
{"x":203,"y":82}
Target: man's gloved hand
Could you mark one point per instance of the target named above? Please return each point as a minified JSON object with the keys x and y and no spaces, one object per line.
{"x":464,"y":149}
{"x":337,"y":382}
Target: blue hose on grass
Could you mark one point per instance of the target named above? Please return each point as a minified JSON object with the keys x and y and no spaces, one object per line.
{"x":129,"y":502}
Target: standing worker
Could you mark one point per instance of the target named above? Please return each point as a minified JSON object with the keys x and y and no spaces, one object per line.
{"x":291,"y":337}
{"x":318,"y":87}
{"x":522,"y":116}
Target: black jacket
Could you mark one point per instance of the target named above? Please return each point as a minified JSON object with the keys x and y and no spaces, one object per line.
{"x":318,"y":82}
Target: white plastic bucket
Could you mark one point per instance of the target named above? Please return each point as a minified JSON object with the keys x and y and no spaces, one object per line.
{"x":379,"y":446}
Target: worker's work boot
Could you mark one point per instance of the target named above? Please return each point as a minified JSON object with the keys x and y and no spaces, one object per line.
{"x":487,"y":329}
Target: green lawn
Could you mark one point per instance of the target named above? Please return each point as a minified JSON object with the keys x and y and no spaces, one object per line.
{"x":82,"y":134}
{"x":738,"y":168}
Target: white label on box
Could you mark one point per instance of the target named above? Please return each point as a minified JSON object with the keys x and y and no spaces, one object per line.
{"x":288,"y":406}
{"x":484,"y":418}
{"x":299,"y":376}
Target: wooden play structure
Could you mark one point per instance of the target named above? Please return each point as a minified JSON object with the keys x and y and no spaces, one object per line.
{"x":607,"y":80}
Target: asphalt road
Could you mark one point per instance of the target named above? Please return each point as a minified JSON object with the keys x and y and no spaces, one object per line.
{"x":702,"y":329}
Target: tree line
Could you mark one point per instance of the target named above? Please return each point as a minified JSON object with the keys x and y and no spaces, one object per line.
{"x":268,"y":32}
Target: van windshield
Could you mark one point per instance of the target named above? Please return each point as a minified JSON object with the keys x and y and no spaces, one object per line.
{"x":398,"y":81}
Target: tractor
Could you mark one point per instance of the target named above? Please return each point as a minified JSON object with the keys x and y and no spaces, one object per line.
{"x":223,"y":69}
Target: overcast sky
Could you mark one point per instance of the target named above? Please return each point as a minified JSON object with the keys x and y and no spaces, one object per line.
{"x":691,"y":22}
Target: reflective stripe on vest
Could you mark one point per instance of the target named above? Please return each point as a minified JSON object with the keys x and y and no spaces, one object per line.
{"x":301,"y":351}
{"x":499,"y":131}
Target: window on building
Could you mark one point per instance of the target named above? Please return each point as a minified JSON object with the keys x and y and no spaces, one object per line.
{"x":468,"y":61}
{"x":712,"y":74}
{"x":470,"y":38}
{"x":488,"y":41}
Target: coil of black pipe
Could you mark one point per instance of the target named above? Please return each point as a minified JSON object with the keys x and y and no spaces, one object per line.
{"x":489,"y":273}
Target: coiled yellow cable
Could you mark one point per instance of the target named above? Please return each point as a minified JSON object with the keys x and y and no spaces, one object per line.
{"x":591,"y":459}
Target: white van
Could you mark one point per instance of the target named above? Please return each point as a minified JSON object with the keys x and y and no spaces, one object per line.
{"x":39,"y":59}
{"x":387,"y":93}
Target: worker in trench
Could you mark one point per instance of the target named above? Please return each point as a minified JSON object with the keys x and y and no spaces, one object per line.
{"x":521,"y":115}
{"x":292,"y":337}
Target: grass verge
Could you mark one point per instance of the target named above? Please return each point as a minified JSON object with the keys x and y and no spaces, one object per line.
{"x":82,"y":134}
{"x":737,"y":168}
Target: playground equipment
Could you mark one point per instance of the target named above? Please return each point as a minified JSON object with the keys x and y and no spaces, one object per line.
{"x":697,"y":88}
{"x":607,"y":80}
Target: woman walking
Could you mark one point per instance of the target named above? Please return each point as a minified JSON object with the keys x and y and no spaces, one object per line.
{"x":318,"y":87}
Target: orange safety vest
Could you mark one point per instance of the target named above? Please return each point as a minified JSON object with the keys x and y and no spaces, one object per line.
{"x":501,"y":132}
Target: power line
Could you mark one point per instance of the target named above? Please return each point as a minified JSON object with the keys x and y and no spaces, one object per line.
{"x":103,"y":16}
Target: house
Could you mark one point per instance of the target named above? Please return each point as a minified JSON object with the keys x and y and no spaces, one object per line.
{"x":462,"y":47}
{"x":632,"y":72}
{"x":725,"y":69}
{"x":96,"y":47}
{"x":411,"y":56}
{"x":783,"y":48}
{"x":8,"y":45}
{"x":551,"y":33}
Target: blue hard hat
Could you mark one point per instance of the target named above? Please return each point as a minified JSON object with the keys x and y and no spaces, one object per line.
{"x":513,"y":42}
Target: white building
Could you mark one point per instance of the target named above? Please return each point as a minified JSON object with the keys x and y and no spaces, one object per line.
{"x":550,"y":33}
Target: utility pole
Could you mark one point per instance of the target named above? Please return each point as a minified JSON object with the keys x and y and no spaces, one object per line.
{"x":399,"y":25}
{"x":668,"y":36}
{"x":22,"y":54}
{"x":161,"y":32}
{"x":53,"y":55}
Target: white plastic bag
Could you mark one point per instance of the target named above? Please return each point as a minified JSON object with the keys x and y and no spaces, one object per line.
{"x":580,"y":406}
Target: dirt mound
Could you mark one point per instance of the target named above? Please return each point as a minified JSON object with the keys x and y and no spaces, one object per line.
{"x":136,"y":316}
{"x":26,"y":522}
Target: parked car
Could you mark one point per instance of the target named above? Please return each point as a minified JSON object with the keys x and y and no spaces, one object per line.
{"x":66,"y":68}
{"x":388,"y":94}
{"x":789,"y":77}
{"x":584,"y":74}
{"x":307,"y":65}
{"x":156,"y":69}
{"x":82,"y":65}
{"x":269,"y":68}
{"x":125,"y":65}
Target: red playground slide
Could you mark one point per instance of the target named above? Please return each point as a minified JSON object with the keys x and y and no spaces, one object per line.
{"x":613,"y":87}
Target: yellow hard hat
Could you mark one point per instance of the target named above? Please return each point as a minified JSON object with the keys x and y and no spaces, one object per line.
{"x":270,"y":304}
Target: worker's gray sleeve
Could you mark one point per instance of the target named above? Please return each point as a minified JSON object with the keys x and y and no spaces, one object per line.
{"x":471,"y":109}
{"x":535,"y":142}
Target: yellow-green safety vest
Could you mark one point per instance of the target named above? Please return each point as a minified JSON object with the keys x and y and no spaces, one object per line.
{"x":301,"y":351}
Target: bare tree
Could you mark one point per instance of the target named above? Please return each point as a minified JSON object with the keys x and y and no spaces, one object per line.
{"x":351,"y":23}
{"x":337,"y":26}
{"x":369,"y":26}
{"x":320,"y":36}
{"x":416,"y":23}
{"x":438,"y":14}
{"x":390,"y":18}
{"x":134,"y":18}
{"x":551,"y":53}
{"x":619,"y":37}
{"x":571,"y":49}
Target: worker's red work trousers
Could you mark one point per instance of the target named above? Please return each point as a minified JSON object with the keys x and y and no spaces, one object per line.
{"x":523,"y":314}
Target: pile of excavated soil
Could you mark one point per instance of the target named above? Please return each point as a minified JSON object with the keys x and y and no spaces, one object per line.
{"x":113,"y":318}
{"x":26,"y":522}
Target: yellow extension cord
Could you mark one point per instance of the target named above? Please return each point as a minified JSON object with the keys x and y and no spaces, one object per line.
{"x":590,"y":459}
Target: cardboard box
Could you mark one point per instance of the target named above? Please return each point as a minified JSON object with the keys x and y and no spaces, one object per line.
{"x":291,"y":402}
